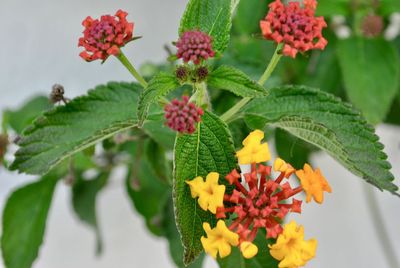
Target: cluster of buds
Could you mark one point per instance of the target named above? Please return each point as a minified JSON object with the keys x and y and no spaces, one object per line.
{"x":195,"y":46}
{"x":261,"y":199}
{"x":103,"y":38}
{"x":185,"y":74}
{"x":372,"y":25}
{"x":183,"y":115}
{"x":295,"y":26}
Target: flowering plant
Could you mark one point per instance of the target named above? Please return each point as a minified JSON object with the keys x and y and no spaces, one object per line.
{"x":193,"y":133}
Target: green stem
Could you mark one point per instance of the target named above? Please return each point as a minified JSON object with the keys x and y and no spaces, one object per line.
{"x":271,"y":66}
{"x":380,"y":228}
{"x":227,"y":116}
{"x":200,"y":97}
{"x":124,"y":60}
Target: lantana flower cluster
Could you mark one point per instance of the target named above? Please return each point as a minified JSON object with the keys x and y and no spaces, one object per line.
{"x":261,"y":199}
{"x":183,"y":115}
{"x":105,"y":36}
{"x":194,"y":46}
{"x":295,"y":26}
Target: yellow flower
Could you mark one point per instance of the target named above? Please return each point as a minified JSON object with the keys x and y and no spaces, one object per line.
{"x":249,"y":250}
{"x":219,"y":240}
{"x":210,"y":193}
{"x":282,"y":166}
{"x":254,"y":151}
{"x":313,"y":183}
{"x":291,"y":249}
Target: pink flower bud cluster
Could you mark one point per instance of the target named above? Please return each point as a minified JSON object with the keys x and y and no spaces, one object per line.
{"x":182,"y":116}
{"x":195,"y":46}
{"x":104,"y":37}
{"x":295,"y":26}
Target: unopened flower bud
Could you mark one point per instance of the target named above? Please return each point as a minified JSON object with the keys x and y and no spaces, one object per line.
{"x":195,"y":46}
{"x":201,"y":73}
{"x":182,"y":116}
{"x":372,"y":26}
{"x":182,"y":74}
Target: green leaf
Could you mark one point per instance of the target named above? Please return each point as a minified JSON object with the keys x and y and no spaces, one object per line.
{"x":371,"y":70}
{"x":68,"y":129}
{"x":292,"y":149}
{"x":387,"y":7}
{"x":159,"y":132}
{"x":159,"y":86}
{"x":332,"y":8}
{"x":147,"y":192}
{"x":158,"y":161}
{"x":323,"y":71}
{"x":262,"y":260}
{"x":84,"y":194}
{"x":235,"y":81}
{"x":209,"y":149}
{"x":323,"y":120}
{"x":24,"y":222}
{"x":174,"y":240}
{"x":19,"y":119}
{"x":248,"y":16}
{"x":210,"y":16}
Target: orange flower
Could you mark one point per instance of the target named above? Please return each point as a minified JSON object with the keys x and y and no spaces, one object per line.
{"x":313,"y":183}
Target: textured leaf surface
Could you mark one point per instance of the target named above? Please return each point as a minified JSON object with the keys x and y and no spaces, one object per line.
{"x":292,"y":149}
{"x":235,"y":81}
{"x":24,"y":222}
{"x":371,"y":70}
{"x":20,"y":118}
{"x":84,"y":194}
{"x":158,"y":87}
{"x":210,"y":16}
{"x":81,"y":123}
{"x":209,"y":149}
{"x":323,"y":120}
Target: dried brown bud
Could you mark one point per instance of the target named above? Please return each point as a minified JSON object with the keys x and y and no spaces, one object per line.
{"x":182,"y":73}
{"x":3,"y":145}
{"x":201,"y":73}
{"x":372,"y":25}
{"x":57,"y":94}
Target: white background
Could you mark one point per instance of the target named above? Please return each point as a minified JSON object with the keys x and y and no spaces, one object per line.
{"x":39,"y":48}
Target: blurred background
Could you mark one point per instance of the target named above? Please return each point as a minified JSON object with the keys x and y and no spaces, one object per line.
{"x":39,"y":49}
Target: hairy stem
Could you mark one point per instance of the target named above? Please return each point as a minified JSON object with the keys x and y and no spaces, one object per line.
{"x":228,"y":115}
{"x":124,"y":60}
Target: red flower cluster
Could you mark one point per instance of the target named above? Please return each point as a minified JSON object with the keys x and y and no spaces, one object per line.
{"x":261,"y":205}
{"x":294,"y":26}
{"x":195,"y":46}
{"x":104,"y":37}
{"x":182,"y":116}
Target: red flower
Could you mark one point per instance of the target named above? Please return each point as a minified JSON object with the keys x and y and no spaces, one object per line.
{"x":182,"y":116}
{"x":294,"y":26}
{"x":194,"y":46}
{"x":262,"y":205}
{"x":104,"y":37}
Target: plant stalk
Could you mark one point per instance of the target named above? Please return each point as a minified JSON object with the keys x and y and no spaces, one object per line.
{"x":124,"y":60}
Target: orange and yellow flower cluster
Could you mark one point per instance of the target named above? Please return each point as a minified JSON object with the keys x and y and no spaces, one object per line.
{"x":259,"y":200}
